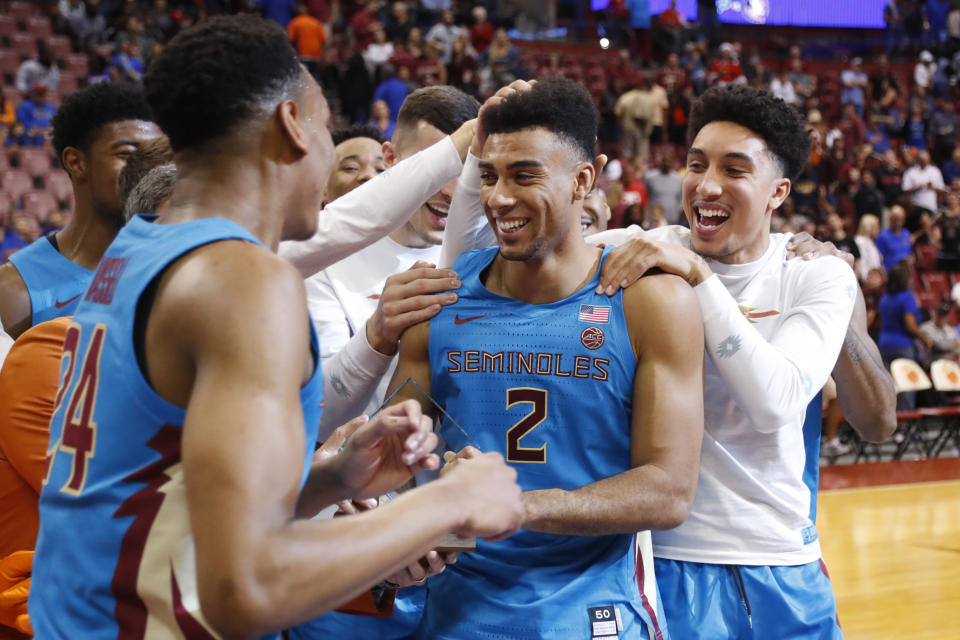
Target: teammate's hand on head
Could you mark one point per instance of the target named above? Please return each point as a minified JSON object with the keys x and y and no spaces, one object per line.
{"x":408,"y":298}
{"x":806,"y":246}
{"x":15,"y":571}
{"x":480,"y":136}
{"x":627,"y":263}
{"x":486,"y":491}
{"x":387,"y":451}
{"x":463,"y":137}
{"x":417,"y":573}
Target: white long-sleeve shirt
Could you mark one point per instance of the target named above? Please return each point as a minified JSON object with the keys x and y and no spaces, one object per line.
{"x":349,"y":264}
{"x":374,"y":209}
{"x":773,"y":329}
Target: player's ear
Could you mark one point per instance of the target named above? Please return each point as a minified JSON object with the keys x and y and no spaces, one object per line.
{"x":389,"y":154}
{"x":75,"y":162}
{"x":291,"y":127}
{"x":781,"y":189}
{"x":583,"y":180}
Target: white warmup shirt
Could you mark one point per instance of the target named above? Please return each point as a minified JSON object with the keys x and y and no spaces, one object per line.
{"x":773,"y":330}
{"x":340,"y":299}
{"x":916,"y":176}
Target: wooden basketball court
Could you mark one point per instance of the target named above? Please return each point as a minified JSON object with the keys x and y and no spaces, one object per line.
{"x":893,"y":550}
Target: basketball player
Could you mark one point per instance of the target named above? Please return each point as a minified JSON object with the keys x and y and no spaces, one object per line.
{"x":180,"y":468}
{"x":594,"y":400}
{"x":94,"y":132}
{"x":773,"y":328}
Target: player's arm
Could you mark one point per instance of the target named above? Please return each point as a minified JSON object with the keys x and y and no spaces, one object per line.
{"x":259,"y":568}
{"x":379,"y":206}
{"x":16,"y":313}
{"x":667,"y":426}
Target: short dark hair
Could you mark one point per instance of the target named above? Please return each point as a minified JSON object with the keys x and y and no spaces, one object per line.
{"x":899,"y":278}
{"x":443,"y":107}
{"x":217,"y":74}
{"x":777,"y":123}
{"x":151,"y":153}
{"x":84,"y":113}
{"x":557,"y":104}
{"x":357,"y":131}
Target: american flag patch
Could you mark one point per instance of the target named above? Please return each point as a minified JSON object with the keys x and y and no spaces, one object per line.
{"x":589,"y":313}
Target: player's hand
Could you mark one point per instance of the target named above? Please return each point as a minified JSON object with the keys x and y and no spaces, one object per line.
{"x":408,"y":298}
{"x":486,"y":490}
{"x":417,"y":573}
{"x":15,"y":571}
{"x":450,"y":459}
{"x":463,"y":137}
{"x":480,"y":136}
{"x":387,"y":451}
{"x":627,"y":263}
{"x":806,"y":246}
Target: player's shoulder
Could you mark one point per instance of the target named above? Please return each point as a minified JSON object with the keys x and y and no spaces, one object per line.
{"x":15,"y":306}
{"x":659,"y":300}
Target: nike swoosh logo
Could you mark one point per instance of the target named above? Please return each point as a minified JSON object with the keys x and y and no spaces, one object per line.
{"x":459,"y":320}
{"x":61,"y":305}
{"x":374,"y":296}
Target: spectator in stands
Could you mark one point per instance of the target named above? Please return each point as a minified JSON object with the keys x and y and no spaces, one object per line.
{"x":35,"y":113}
{"x":8,"y":114}
{"x":941,"y":335}
{"x":481,"y":32}
{"x":804,"y":84}
{"x":854,"y":82}
{"x":364,"y":22}
{"x":868,"y":198}
{"x":88,"y":28}
{"x":893,"y":16}
{"x":891,"y":177}
{"x":158,"y":22}
{"x":948,"y":223}
{"x":134,"y":32}
{"x":127,"y":63}
{"x":381,"y":119}
{"x":10,"y":242}
{"x":894,"y":242}
{"x":399,"y":25}
{"x":924,"y":70}
{"x":876,"y":135}
{"x":870,"y":257}
{"x":41,"y":69}
{"x":308,"y":37}
{"x":951,"y":170}
{"x":462,"y":70}
{"x":66,"y":9}
{"x":500,"y":49}
{"x":726,"y":69}
{"x":445,"y":33}
{"x":280,"y":11}
{"x":664,"y":185}
{"x":392,"y":90}
{"x":635,"y":112}
{"x":100,"y":70}
{"x":781,"y":87}
{"x":882,"y":75}
{"x":915,"y":128}
{"x":377,"y":52}
{"x":852,"y":127}
{"x":431,"y":71}
{"x":944,"y":129}
{"x":935,"y":23}
{"x":836,"y":233}
{"x":899,"y":317}
{"x":922,"y":182}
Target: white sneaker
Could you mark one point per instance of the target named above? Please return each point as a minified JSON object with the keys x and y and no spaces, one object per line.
{"x":834,"y":448}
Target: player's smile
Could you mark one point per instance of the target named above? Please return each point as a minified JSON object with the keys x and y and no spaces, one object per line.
{"x":710,"y":218}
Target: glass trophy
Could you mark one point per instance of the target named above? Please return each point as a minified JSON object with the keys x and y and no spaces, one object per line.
{"x":443,"y":423}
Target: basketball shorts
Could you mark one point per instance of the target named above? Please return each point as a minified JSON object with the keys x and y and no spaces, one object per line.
{"x":739,"y":602}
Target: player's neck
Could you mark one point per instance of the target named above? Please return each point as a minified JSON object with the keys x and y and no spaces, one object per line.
{"x":236,"y":191}
{"x":86,"y":237}
{"x":541,"y":281}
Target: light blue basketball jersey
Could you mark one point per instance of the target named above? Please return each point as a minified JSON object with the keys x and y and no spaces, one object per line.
{"x":114,"y":556}
{"x":55,"y":284}
{"x":551,"y":388}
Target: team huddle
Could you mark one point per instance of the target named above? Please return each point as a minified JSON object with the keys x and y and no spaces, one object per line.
{"x":627,"y":422}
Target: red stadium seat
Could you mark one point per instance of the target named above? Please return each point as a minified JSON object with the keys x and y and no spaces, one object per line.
{"x":59,"y":47}
{"x":926,"y":256}
{"x":936,"y":282}
{"x":9,"y":62}
{"x":24,"y":44}
{"x":20,"y":10}
{"x":4,"y":162}
{"x":39,"y":204}
{"x":39,"y":27}
{"x":76,"y":63}
{"x":6,"y":205}
{"x":16,"y":182}
{"x":928,"y":299}
{"x":35,"y":161}
{"x":57,"y":183}
{"x":68,"y":83}
{"x":8,"y":25}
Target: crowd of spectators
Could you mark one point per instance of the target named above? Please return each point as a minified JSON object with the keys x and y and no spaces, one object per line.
{"x":882,"y":181}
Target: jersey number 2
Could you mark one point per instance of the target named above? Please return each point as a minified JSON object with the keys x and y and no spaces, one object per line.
{"x":79,"y":429}
{"x":538,"y":398}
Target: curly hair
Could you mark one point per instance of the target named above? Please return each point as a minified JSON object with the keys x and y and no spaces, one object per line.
{"x":777,"y":123}
{"x":217,"y":74}
{"x":443,"y":107}
{"x":357,"y":131}
{"x":557,"y":104}
{"x":84,"y":113}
